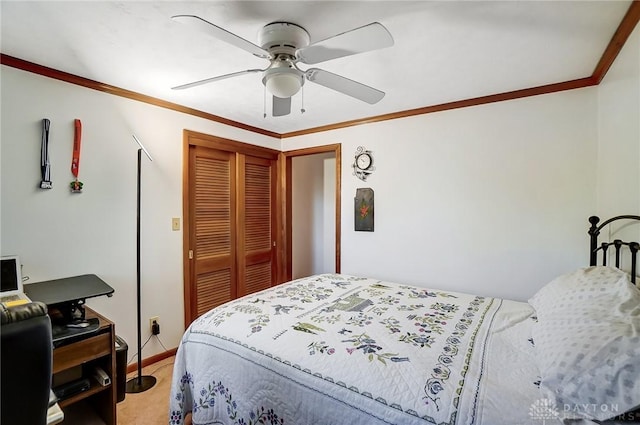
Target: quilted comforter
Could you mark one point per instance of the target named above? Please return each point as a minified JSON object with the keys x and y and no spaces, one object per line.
{"x":336,"y":349}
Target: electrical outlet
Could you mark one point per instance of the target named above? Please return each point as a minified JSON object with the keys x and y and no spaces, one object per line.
{"x":151,"y":320}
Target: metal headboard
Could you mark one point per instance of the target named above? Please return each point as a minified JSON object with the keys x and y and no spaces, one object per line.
{"x":594,"y":231}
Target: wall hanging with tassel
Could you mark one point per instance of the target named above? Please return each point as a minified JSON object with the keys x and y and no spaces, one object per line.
{"x":76,"y":185}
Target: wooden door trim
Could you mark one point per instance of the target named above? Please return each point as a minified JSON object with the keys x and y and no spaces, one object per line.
{"x":206,"y":140}
{"x":196,"y":139}
{"x":188,"y":199}
{"x":286,"y":184}
{"x":283,"y":201}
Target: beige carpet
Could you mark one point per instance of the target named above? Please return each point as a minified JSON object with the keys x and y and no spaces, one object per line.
{"x":152,"y":406}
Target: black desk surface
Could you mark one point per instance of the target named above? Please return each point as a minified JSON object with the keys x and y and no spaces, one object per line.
{"x":67,"y":289}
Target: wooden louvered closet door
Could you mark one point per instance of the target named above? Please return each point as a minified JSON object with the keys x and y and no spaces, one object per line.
{"x":214,"y":241}
{"x":231,"y":222}
{"x":256,"y":219}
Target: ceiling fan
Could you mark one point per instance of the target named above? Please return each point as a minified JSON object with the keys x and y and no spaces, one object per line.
{"x":285,"y":45}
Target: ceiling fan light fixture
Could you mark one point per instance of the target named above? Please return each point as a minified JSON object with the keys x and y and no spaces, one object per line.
{"x":283,"y":82}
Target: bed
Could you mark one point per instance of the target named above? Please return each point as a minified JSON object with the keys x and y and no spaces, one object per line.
{"x":338,"y":349}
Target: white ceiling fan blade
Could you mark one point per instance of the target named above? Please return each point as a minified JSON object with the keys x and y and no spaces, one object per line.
{"x":212,"y":79}
{"x":344,"y":85}
{"x":364,"y":39}
{"x":281,"y":106}
{"x":221,"y":34}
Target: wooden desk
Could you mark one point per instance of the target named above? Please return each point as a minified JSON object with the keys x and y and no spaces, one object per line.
{"x":86,"y":352}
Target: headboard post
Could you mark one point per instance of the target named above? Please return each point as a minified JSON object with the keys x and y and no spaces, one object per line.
{"x":618,"y":244}
{"x":604,"y":247}
{"x":593,"y":233}
{"x":634,"y":246}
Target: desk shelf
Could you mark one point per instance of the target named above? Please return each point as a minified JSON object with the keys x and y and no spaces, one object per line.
{"x":86,"y":352}
{"x":95,"y":388}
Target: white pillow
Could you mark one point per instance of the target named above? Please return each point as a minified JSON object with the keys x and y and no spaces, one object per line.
{"x":605,"y":291}
{"x":587,"y":341}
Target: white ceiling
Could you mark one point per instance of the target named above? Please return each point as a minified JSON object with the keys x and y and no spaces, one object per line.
{"x":444,"y":50}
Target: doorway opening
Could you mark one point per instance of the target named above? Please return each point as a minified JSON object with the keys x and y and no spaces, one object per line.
{"x":313,"y":211}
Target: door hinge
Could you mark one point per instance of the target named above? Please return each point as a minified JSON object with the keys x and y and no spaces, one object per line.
{"x":191,"y":254}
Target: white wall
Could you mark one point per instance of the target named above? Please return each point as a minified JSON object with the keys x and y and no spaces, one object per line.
{"x":619,"y":137}
{"x":492,"y":199}
{"x":313,"y":214}
{"x":60,"y":234}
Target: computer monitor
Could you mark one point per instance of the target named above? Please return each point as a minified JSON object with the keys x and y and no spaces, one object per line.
{"x":11,"y":277}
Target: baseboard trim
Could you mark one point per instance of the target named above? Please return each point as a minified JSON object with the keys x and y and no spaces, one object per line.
{"x":153,"y":359}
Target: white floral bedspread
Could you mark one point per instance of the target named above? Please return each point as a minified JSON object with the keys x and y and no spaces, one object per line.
{"x":336,"y":349}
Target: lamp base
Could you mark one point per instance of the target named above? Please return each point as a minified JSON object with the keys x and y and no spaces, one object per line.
{"x":140,"y":384}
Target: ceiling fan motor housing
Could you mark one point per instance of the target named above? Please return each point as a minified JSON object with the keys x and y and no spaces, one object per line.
{"x":283,"y":38}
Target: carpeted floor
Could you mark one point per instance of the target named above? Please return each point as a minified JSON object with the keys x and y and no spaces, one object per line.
{"x":152,"y":406}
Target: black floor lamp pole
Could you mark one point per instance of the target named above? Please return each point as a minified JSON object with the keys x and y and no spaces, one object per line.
{"x":139,"y":383}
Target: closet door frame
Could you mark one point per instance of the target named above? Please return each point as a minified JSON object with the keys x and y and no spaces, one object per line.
{"x":193,"y":139}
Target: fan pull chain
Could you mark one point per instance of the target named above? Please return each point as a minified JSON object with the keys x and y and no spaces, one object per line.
{"x":302,"y":110}
{"x":264,"y":103}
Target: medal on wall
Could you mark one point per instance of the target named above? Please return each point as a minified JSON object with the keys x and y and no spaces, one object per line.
{"x":76,"y":185}
{"x":45,"y":165}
